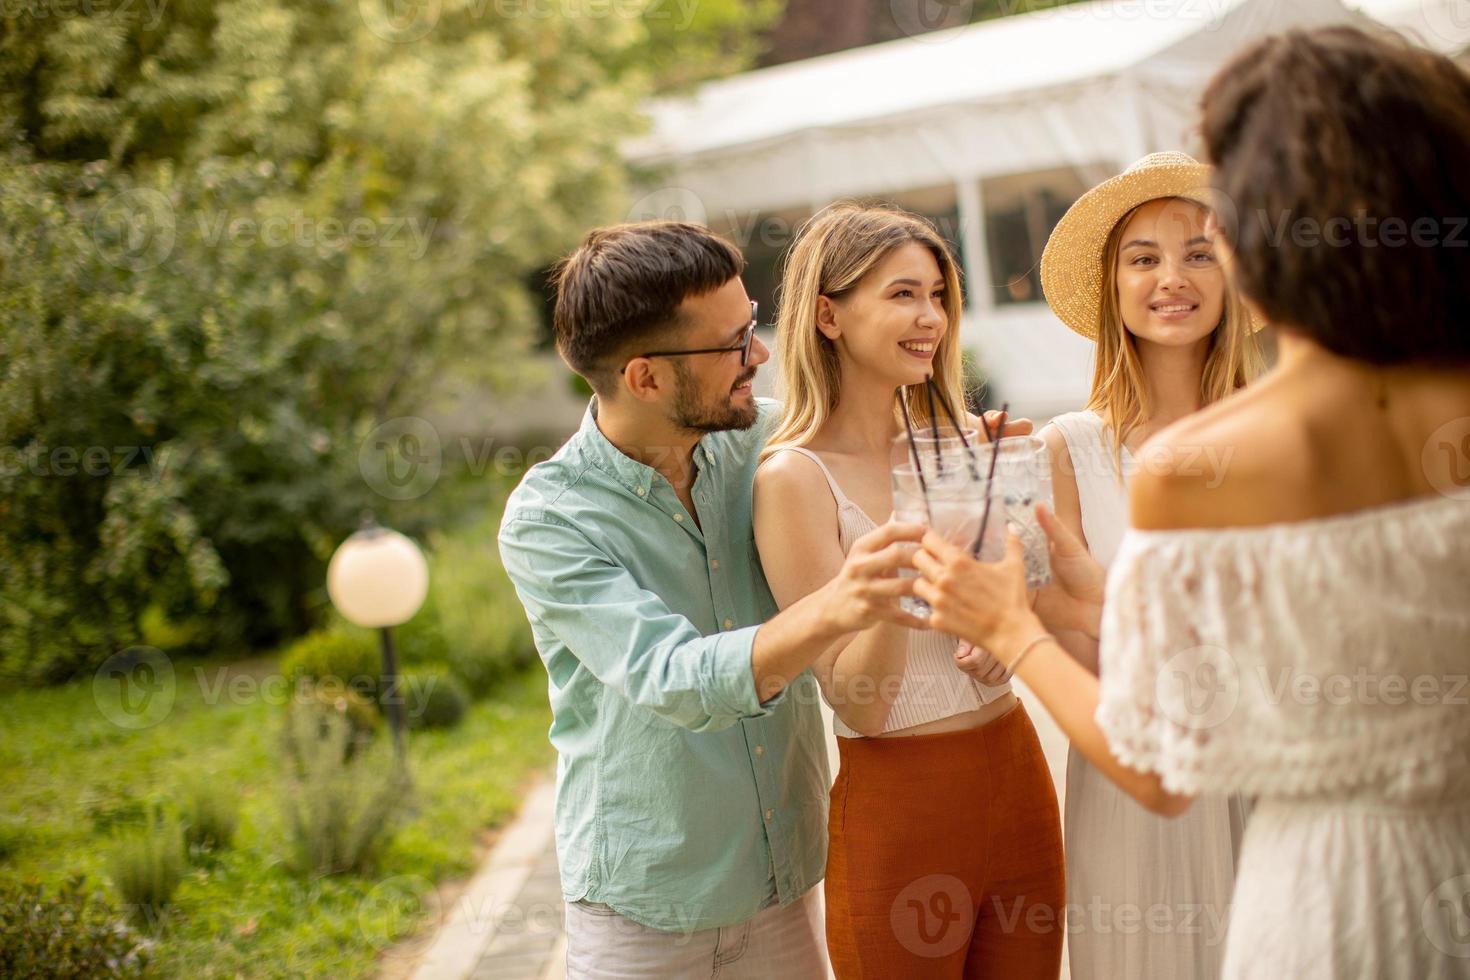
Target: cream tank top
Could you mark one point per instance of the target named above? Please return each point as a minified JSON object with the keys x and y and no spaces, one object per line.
{"x":1101,"y":493}
{"x":932,"y":687}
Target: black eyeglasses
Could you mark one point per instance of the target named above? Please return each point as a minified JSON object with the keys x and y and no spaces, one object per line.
{"x":743,"y":347}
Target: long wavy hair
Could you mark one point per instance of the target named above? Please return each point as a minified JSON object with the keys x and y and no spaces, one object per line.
{"x":833,"y":251}
{"x":1119,"y":393}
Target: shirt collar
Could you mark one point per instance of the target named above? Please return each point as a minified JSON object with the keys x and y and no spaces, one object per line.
{"x":632,"y":474}
{"x":607,"y":457}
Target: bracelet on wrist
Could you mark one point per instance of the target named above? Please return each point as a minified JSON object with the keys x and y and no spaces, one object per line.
{"x":1031,"y":644}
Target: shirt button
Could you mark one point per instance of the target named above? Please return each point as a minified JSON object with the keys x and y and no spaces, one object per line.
{"x":679,"y":518}
{"x":641,"y":491}
{"x":729,"y":624}
{"x":714,"y":563}
{"x":770,"y":814}
{"x":760,"y":750}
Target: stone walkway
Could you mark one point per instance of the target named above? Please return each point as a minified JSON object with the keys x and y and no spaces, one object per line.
{"x":509,"y":923}
{"x":537,"y":952}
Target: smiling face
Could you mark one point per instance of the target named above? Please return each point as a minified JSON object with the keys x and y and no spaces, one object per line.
{"x":714,"y":392}
{"x":1171,"y":290}
{"x":891,"y":323}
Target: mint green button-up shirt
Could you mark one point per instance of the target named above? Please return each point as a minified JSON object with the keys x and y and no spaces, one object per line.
{"x":681,"y":800}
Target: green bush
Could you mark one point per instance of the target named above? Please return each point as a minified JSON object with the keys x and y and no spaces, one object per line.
{"x":110,"y":808}
{"x":70,"y":934}
{"x":210,"y":811}
{"x":433,"y":698}
{"x":343,"y":799}
{"x":345,"y":657}
{"x":422,"y":642}
{"x":473,"y":606}
{"x":364,"y":716}
{"x":147,"y":865}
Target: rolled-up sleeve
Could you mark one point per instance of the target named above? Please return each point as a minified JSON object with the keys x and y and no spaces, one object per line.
{"x":626,"y":635}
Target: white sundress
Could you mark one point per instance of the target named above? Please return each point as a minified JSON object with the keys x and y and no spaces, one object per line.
{"x":1148,"y":897}
{"x":1319,"y":667}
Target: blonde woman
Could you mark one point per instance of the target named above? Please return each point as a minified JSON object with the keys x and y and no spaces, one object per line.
{"x":1132,"y":267}
{"x":870,"y":304}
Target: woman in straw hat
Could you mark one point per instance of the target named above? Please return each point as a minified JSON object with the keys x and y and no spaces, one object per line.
{"x":944,"y":842}
{"x":1295,"y":627}
{"x":1132,"y":268}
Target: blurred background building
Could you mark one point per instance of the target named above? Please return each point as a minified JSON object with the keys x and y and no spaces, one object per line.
{"x":990,"y":129}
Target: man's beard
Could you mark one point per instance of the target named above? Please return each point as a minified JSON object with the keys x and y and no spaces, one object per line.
{"x":694,"y":414}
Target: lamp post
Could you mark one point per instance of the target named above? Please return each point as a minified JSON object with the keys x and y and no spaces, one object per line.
{"x":378,"y":578}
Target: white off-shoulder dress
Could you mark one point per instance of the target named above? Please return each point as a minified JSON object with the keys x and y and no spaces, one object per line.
{"x":1148,"y":897}
{"x":1319,"y":667}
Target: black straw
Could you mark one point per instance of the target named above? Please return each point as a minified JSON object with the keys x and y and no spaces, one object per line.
{"x":908,"y":425}
{"x":989,"y":477}
{"x":934,"y":426}
{"x":959,"y":429}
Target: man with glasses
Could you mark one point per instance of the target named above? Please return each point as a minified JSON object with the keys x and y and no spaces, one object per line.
{"x":691,"y":812}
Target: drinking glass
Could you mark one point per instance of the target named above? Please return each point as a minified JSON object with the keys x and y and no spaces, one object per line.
{"x":1024,"y":472}
{"x":951,"y":502}
{"x":939,"y":456}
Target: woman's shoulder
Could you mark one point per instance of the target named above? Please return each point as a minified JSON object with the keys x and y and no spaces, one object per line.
{"x":788,"y":468}
{"x":1225,"y":466}
{"x":1084,"y":418}
{"x":792,"y":496}
{"x":1059,"y":450}
{"x":1073,"y":431}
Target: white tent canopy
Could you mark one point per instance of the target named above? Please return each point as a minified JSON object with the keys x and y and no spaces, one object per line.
{"x":1090,"y":87}
{"x":945,"y":105}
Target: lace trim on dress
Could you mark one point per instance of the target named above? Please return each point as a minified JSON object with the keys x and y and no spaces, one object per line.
{"x":1326,"y":657}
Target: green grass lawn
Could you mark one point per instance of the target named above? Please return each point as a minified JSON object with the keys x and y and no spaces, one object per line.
{"x":70,"y":779}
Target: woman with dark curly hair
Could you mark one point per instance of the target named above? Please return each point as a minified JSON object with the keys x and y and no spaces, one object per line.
{"x":1298,"y":630}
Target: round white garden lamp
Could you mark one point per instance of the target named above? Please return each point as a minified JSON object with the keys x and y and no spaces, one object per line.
{"x":378,"y":578}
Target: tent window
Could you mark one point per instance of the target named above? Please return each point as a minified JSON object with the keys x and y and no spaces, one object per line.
{"x":1020,"y":212}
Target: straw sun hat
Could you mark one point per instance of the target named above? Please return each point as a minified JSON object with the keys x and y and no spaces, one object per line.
{"x":1072,"y":264}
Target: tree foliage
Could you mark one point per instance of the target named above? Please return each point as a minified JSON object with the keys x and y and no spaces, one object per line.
{"x":236,"y":237}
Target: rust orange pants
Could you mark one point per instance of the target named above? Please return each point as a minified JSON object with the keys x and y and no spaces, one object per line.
{"x":945,"y":857}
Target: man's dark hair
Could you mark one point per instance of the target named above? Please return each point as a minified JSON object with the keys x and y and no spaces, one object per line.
{"x":620,"y":291}
{"x":1346,"y":156}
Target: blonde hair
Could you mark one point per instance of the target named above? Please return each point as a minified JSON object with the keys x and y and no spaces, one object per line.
{"x":1119,"y":393}
{"x":833,"y":251}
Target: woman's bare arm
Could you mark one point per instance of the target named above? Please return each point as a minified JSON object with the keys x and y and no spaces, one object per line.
{"x":987,"y":604}
{"x":796,"y":534}
{"x":1067,"y":506}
